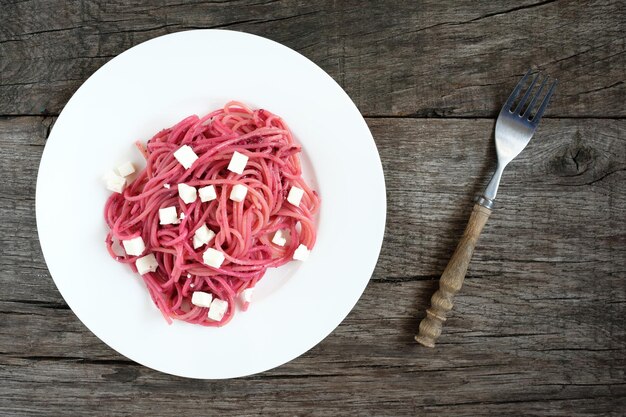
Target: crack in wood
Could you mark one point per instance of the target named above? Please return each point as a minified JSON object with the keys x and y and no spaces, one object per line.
{"x":530,"y":400}
{"x":90,"y":361}
{"x":601,"y":88}
{"x":40,"y":32}
{"x":514,"y":9}
{"x":40,"y":304}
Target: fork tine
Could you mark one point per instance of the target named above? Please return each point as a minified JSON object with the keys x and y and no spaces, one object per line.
{"x":544,"y":103}
{"x":524,"y":99}
{"x":537,"y":95}
{"x":515,"y":93}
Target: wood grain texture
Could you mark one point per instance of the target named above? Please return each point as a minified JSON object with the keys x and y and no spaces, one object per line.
{"x":537,"y":330}
{"x":400,"y":58}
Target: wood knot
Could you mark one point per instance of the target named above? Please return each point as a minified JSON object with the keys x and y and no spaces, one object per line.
{"x":574,"y":160}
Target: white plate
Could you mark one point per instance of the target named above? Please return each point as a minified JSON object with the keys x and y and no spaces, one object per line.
{"x":154,"y":85}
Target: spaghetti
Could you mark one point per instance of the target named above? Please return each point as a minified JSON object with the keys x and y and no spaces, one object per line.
{"x":245,"y":231}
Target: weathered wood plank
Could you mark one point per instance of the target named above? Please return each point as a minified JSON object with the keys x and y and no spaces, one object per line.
{"x":537,"y":327}
{"x":528,"y":322}
{"x":532,"y":362}
{"x":560,"y":201}
{"x":425,"y":58}
{"x":136,"y":391}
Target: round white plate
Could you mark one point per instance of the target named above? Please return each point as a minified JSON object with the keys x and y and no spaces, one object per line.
{"x":154,"y":85}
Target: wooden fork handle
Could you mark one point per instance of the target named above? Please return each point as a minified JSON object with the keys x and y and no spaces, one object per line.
{"x":452,"y":278}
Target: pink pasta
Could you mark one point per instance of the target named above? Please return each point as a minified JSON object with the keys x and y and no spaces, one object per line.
{"x":243,"y":230}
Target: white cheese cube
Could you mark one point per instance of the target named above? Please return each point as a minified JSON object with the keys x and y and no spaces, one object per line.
{"x":295,"y":195}
{"x":207,"y":193}
{"x":202,"y":236}
{"x":213,"y":257}
{"x":186,"y":156}
{"x":181,"y":216}
{"x":201,"y":299}
{"x":238,"y":193}
{"x":168,"y":215}
{"x":187,"y":193}
{"x":218,"y":309}
{"x":146,"y":264}
{"x":205,"y":233}
{"x":237,"y":163}
{"x":301,"y":253}
{"x":279,"y":238}
{"x":116,"y":247}
{"x":108,"y":175}
{"x":126,"y":169}
{"x":246,"y":295}
{"x":114,"y":182}
{"x":134,"y":246}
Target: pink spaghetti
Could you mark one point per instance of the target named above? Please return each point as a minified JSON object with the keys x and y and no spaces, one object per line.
{"x":243,"y":230}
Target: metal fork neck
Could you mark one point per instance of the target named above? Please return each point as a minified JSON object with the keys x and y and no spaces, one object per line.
{"x":494,"y":183}
{"x":484,"y":201}
{"x":487,"y":198}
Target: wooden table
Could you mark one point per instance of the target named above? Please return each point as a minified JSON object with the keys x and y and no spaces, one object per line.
{"x":538,"y":328}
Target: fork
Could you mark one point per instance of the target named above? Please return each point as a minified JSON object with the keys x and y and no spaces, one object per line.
{"x":514,"y":129}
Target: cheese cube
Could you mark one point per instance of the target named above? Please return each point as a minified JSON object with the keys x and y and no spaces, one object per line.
{"x":279,"y":238}
{"x":134,"y":246}
{"x":202,"y":236}
{"x":187,"y":194}
{"x":207,"y":193}
{"x":246,"y":295}
{"x":218,"y":309}
{"x":201,"y":299}
{"x":168,"y":215}
{"x":213,"y":257}
{"x":186,"y":156}
{"x":114,"y":182}
{"x":295,"y":195}
{"x":116,"y":247}
{"x":126,"y":169}
{"x":301,"y":253}
{"x":237,"y":163}
{"x":205,"y":233}
{"x":181,"y":216}
{"x":107,"y":175}
{"x":146,"y":264}
{"x":238,"y":193}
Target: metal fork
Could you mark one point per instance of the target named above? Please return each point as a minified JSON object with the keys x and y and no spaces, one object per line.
{"x":514,"y":129}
